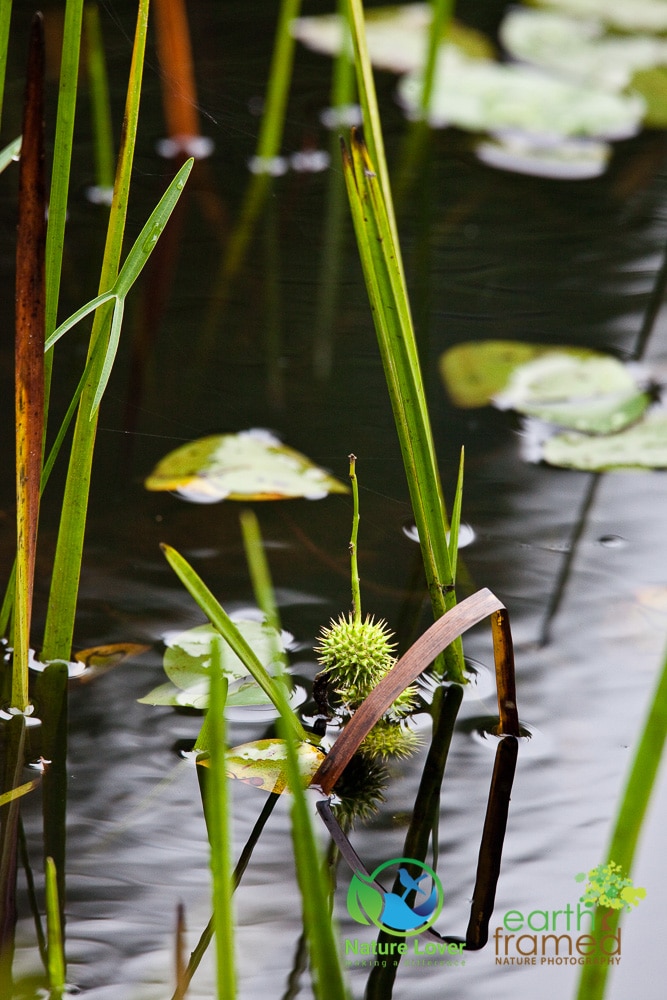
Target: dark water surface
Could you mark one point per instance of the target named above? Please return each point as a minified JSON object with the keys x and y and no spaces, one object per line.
{"x":581,"y":567}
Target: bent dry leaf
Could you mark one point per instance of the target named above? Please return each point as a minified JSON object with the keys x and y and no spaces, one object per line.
{"x":250,"y":465}
{"x":263,"y":764}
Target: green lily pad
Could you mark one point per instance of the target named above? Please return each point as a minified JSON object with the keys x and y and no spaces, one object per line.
{"x":481,"y":95}
{"x":187,"y":661}
{"x":476,"y":371}
{"x":262,"y":764}
{"x":652,"y":85}
{"x":559,"y":159}
{"x":596,"y":394}
{"x":251,"y":465}
{"x":642,"y":446}
{"x":580,"y":49}
{"x":624,"y":15}
{"x":397,"y":37}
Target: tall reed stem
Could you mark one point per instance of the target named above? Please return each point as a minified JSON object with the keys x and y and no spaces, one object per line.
{"x":61,"y":613}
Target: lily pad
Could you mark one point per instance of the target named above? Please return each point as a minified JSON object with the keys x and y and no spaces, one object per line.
{"x":397,"y":37}
{"x":643,"y":446}
{"x":624,"y":15}
{"x":481,"y":95}
{"x":476,"y":371}
{"x":187,"y":662}
{"x":558,"y":159}
{"x":595,"y":394}
{"x":99,"y":659}
{"x":652,"y":85}
{"x":262,"y":764}
{"x":251,"y":465}
{"x":580,"y":49}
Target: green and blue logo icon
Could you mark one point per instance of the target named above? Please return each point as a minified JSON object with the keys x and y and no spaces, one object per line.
{"x":408,"y":912}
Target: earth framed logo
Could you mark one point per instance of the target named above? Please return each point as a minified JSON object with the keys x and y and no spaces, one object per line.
{"x":404,"y":913}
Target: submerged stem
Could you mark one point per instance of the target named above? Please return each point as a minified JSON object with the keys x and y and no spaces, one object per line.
{"x":354,"y":565}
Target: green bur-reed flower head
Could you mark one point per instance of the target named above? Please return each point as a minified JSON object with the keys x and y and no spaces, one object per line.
{"x":356,"y":654}
{"x":389,"y":739}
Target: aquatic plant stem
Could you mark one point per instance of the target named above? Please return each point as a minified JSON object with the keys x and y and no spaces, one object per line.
{"x":55,"y":949}
{"x":441,"y":15}
{"x":61,"y":612}
{"x":629,"y":822}
{"x":354,"y":564}
{"x":99,"y":99}
{"x":391,"y":315}
{"x":29,"y":357}
{"x":60,"y":171}
{"x":217,"y":815}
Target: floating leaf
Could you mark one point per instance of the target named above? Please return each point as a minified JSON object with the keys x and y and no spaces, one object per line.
{"x":187,"y":662}
{"x":639,"y":15}
{"x":652,"y":85}
{"x":559,"y":159}
{"x":397,"y":37}
{"x":262,"y":763}
{"x":251,"y":465}
{"x":642,"y":446}
{"x":476,"y":371}
{"x":480,"y":95}
{"x":99,"y":659}
{"x":595,"y":394}
{"x":580,"y":49}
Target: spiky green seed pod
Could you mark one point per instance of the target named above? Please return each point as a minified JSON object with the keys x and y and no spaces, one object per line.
{"x":356,"y":654}
{"x":360,"y":790}
{"x":389,"y":739}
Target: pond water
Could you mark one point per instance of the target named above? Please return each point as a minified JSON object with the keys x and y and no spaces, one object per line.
{"x":579,"y":560}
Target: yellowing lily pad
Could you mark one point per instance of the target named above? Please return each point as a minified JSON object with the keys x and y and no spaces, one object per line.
{"x":476,"y":371}
{"x":262,"y":764}
{"x":187,"y":662}
{"x":643,"y":446}
{"x":595,"y":394}
{"x":99,"y":659}
{"x":251,"y":465}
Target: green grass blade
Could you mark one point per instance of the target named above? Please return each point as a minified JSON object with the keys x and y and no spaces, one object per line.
{"x":59,"y":628}
{"x":629,"y":822}
{"x":17,"y":793}
{"x":391,"y":315}
{"x":258,"y":567}
{"x":442,"y":11}
{"x":456,"y":520}
{"x":99,"y":98}
{"x":77,"y":316}
{"x":10,"y":153}
{"x":217,"y":815}
{"x":280,"y":76}
{"x":5,"y":20}
{"x":223,"y":623}
{"x":62,"y":154}
{"x":55,"y":948}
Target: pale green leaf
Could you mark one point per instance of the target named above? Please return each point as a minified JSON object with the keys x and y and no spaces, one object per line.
{"x":580,"y":49}
{"x":626,"y":15}
{"x":251,"y":465}
{"x":475,"y":371}
{"x":643,"y":445}
{"x":262,"y":763}
{"x":596,"y":394}
{"x":480,"y":95}
{"x":396,"y":36}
